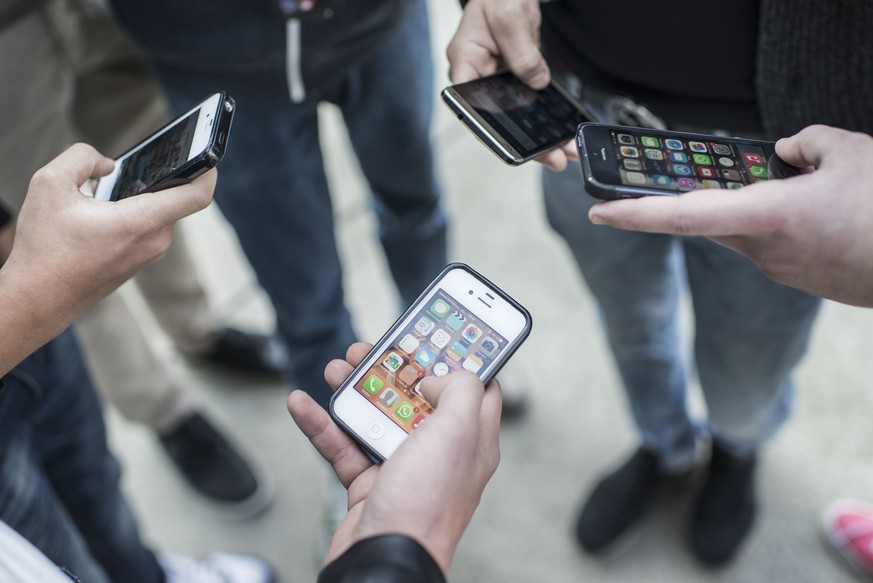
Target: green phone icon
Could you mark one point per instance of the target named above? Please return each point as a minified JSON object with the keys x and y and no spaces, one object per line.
{"x":702,"y":159}
{"x":373,"y":384}
{"x":758,"y":171}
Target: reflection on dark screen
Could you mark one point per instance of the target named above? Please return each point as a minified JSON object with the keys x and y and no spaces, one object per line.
{"x":157,"y":160}
{"x":527,"y":119}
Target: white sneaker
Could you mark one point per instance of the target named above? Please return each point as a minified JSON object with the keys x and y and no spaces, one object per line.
{"x":216,"y":568}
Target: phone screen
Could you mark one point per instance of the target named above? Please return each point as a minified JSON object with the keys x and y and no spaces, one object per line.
{"x":157,"y":159}
{"x":441,"y":338}
{"x":529,"y":120}
{"x":648,"y":159}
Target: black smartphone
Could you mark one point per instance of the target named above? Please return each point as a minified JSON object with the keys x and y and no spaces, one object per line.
{"x":514,"y":121}
{"x":461,"y":321}
{"x":175,"y":154}
{"x":627,"y":162}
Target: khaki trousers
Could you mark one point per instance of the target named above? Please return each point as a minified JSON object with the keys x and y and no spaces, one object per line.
{"x":67,"y":73}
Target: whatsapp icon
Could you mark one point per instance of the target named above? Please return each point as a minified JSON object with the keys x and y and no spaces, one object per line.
{"x":404,"y":411}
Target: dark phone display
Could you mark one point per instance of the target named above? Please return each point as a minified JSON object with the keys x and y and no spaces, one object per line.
{"x":529,"y":120}
{"x":157,"y":160}
{"x":442,"y":337}
{"x":648,"y":159}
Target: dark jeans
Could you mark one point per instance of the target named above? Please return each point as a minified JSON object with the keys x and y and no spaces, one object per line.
{"x":272,"y":187}
{"x":58,"y":481}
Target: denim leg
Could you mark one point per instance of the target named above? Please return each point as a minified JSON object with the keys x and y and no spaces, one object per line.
{"x":273,"y":191}
{"x":636,"y":281}
{"x":59,"y":484}
{"x":750,"y":334}
{"x":388,"y":105}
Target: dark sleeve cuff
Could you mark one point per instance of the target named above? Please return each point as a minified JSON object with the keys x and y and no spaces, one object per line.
{"x":389,"y":558}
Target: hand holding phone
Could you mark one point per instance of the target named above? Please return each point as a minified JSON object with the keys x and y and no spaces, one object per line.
{"x":515,"y":122}
{"x":430,"y":488}
{"x":626,"y":162}
{"x":174,"y":155}
{"x":461,"y":322}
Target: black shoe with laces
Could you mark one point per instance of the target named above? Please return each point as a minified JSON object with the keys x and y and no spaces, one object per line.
{"x":620,"y":501}
{"x":725,"y":508}
{"x":246,"y":352}
{"x":213,"y":467}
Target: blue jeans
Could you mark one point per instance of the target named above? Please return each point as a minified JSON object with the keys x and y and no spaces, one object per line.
{"x":58,"y":482}
{"x":750,"y":332}
{"x":272,"y":187}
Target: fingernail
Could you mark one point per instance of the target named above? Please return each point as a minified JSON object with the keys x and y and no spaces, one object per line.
{"x":541,"y":79}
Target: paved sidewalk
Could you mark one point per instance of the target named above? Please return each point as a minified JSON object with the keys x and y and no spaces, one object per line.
{"x":578,"y":424}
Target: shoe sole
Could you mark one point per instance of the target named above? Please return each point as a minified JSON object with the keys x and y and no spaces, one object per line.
{"x":250,"y":507}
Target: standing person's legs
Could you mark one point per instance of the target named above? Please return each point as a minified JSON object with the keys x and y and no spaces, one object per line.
{"x":750,"y":334}
{"x":60,"y":484}
{"x":636,"y":280}
{"x":274,"y":193}
{"x":388,"y":105}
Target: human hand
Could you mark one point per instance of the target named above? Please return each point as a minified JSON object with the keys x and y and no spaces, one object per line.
{"x":813,"y":232}
{"x":71,"y":250}
{"x":498,"y":34}
{"x":429,"y":489}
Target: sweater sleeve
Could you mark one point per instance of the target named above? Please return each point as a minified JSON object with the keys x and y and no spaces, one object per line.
{"x":384,"y":559}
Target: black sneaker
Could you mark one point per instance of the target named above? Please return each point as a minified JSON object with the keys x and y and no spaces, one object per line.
{"x":214,"y":468}
{"x":619,"y":502}
{"x":246,"y":352}
{"x":725,"y":508}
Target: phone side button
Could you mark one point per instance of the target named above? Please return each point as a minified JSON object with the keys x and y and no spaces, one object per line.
{"x":376,"y":429}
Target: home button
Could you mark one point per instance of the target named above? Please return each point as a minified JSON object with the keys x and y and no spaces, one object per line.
{"x":376,"y":429}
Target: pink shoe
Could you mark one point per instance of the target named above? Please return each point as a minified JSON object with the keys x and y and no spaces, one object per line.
{"x":849,"y":526}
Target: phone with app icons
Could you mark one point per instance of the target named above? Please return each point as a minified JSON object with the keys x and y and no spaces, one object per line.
{"x":626,"y":162}
{"x":516,"y":122}
{"x":461,"y":321}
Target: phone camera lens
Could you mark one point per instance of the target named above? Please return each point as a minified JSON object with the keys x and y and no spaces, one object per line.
{"x":228,"y":106}
{"x":470,"y":292}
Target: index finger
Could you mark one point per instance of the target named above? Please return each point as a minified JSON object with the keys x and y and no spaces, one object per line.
{"x":708,"y":212}
{"x":170,"y":205}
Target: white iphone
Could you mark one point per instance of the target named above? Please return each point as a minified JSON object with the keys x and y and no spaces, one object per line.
{"x":176,"y":154}
{"x":462,"y":321}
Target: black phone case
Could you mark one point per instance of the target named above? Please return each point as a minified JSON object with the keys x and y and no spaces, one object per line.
{"x":777,"y":167}
{"x":372,"y":454}
{"x":211,"y":156}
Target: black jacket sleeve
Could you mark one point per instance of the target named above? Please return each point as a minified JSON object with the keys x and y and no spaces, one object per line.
{"x":384,"y":559}
{"x":4,"y":216}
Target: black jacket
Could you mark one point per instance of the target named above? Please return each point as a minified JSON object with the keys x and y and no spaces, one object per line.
{"x":383,"y":559}
{"x":813,"y":61}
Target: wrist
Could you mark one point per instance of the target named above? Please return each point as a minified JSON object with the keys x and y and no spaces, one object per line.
{"x":30,"y":314}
